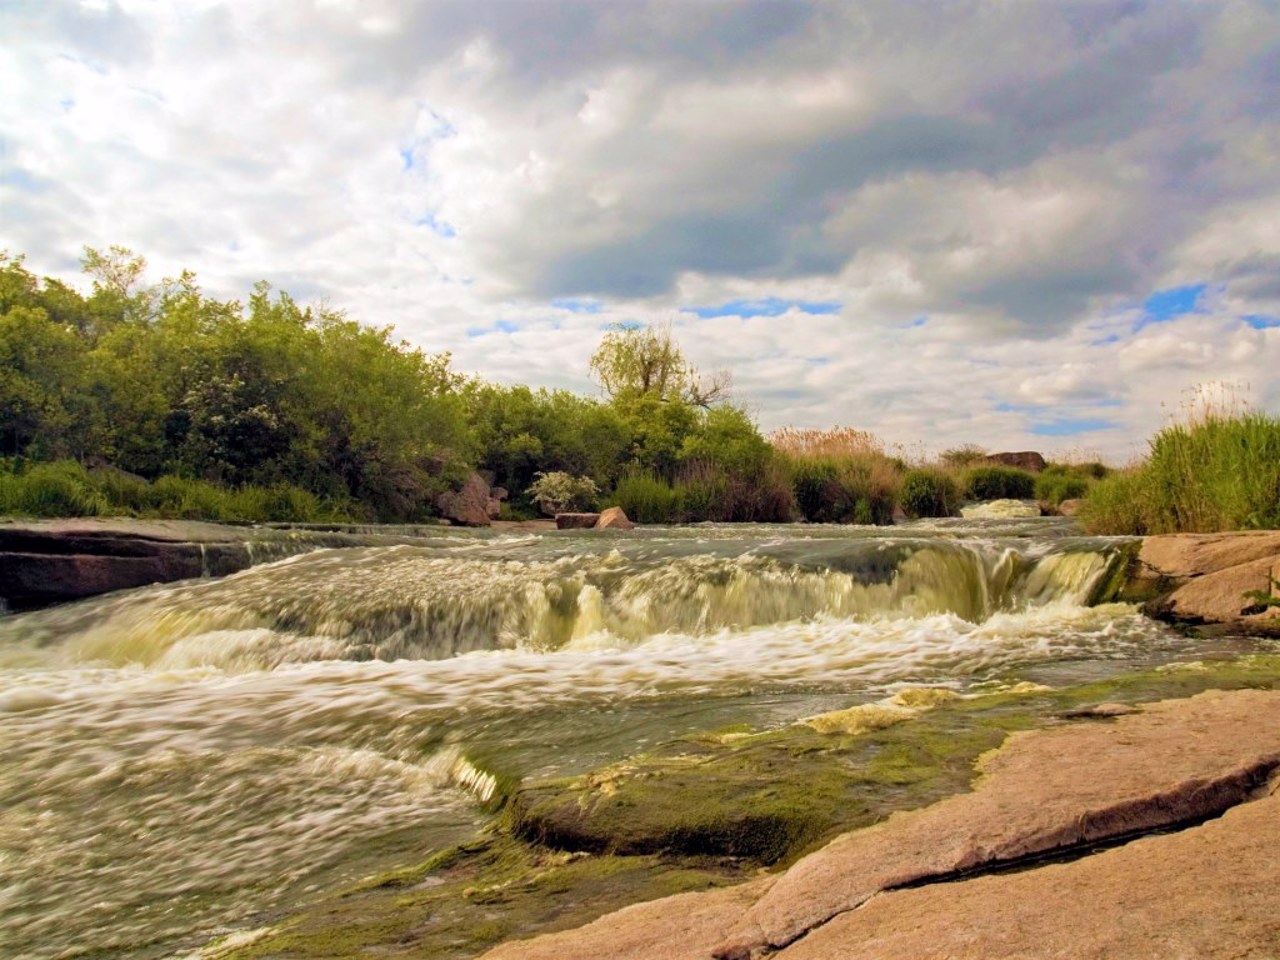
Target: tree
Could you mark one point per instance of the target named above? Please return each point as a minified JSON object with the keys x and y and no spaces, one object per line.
{"x":642,"y":361}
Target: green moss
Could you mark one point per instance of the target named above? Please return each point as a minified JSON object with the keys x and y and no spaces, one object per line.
{"x":694,"y":813}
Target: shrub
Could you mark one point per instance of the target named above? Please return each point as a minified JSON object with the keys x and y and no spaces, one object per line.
{"x":963,"y":456}
{"x":557,"y":491}
{"x":845,"y":489}
{"x":999,"y":483}
{"x":1054,"y":487}
{"x":646,"y":498}
{"x":928,"y":492}
{"x":1120,"y":505}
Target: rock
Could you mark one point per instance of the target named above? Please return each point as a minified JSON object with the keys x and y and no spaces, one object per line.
{"x":469,"y":505}
{"x":494,"y":508}
{"x":1203,"y":891}
{"x":613,"y":518}
{"x":1220,"y":597}
{"x":1206,"y":892}
{"x":1183,"y":555}
{"x":499,"y":493}
{"x":576,"y":521}
{"x":1069,"y":508}
{"x":1023,"y":460}
{"x":1205,"y":578}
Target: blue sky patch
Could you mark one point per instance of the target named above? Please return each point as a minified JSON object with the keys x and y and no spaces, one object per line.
{"x":438,"y":227}
{"x":499,"y":326}
{"x":768,"y":307}
{"x":577,"y":306}
{"x":1069,"y":426}
{"x":1164,"y":305}
{"x":406,"y":157}
{"x":1260,"y":321}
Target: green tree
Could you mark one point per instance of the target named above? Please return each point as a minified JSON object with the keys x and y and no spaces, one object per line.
{"x":648,"y":361}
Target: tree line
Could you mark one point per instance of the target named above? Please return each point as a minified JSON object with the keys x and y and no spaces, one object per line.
{"x":164,"y":381}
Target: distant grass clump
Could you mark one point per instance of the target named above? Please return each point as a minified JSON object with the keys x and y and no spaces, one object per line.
{"x":64,"y":488}
{"x":839,"y":476}
{"x":646,"y":498}
{"x":999,"y":483}
{"x":928,"y":492}
{"x":1218,"y":472}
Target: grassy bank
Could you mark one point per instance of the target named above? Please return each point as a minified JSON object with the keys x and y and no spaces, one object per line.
{"x":1218,"y":473}
{"x":66,"y":489}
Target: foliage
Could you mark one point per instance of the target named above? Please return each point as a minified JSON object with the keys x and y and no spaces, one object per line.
{"x":999,"y":483}
{"x":965,"y":455}
{"x":1056,"y":486}
{"x":831,"y":489}
{"x":646,"y":498}
{"x":1220,"y":472}
{"x":928,"y":492}
{"x":557,"y":492}
{"x":836,"y":442}
{"x":1265,"y":598}
{"x":647,"y":361}
{"x":165,"y":381}
{"x":65,"y":488}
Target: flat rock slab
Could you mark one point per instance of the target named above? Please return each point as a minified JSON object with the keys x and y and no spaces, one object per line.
{"x":1050,"y":790}
{"x":1180,"y":556}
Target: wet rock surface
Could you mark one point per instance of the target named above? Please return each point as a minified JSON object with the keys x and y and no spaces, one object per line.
{"x":887,"y":891}
{"x":1214,"y":578}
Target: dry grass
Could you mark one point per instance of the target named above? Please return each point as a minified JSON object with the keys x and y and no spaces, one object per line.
{"x":836,"y":442}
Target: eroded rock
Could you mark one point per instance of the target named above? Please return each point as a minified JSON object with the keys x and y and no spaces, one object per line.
{"x":576,"y":521}
{"x":1175,"y":762}
{"x":614,"y":518}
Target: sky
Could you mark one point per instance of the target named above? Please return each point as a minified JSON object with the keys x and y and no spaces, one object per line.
{"x":1024,"y":225}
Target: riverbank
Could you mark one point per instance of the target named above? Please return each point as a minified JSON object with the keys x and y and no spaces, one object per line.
{"x":1159,"y":768}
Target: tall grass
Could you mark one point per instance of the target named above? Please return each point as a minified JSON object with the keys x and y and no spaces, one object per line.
{"x":646,"y":498}
{"x":1217,"y":472}
{"x":66,"y":489}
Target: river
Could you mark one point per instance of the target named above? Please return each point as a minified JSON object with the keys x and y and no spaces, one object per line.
{"x":176,"y":760}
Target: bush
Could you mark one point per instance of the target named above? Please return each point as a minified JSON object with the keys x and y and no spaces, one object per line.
{"x":646,"y":498}
{"x":928,"y":492}
{"x":1120,"y":505}
{"x":557,"y":492}
{"x":1219,"y":473}
{"x":1058,"y":486}
{"x":707,"y":491}
{"x":999,"y":483}
{"x":831,"y":489}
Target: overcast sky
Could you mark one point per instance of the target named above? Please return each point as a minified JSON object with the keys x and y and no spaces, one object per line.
{"x":1019,"y":224}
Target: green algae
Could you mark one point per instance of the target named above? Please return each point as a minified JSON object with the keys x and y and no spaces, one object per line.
{"x":695,"y":813}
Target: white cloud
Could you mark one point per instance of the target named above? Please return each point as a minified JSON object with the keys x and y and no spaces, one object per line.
{"x":1021,"y":175}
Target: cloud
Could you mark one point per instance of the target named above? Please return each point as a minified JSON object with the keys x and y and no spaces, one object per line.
{"x":1024,"y":176}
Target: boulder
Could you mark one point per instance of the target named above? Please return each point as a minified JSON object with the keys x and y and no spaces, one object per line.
{"x":499,"y":493}
{"x":576,"y":521}
{"x":1023,"y":460}
{"x":494,"y":508}
{"x":912,"y":886}
{"x":614,"y":518}
{"x":1180,"y":556}
{"x":1069,"y":508}
{"x":469,"y":505}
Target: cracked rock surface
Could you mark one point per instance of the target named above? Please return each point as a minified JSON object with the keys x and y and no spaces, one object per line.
{"x":1205,"y":890}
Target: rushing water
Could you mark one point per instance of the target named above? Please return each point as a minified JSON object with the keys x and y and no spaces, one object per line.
{"x":176,"y":759}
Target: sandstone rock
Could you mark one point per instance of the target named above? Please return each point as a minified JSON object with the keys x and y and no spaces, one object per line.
{"x":1174,"y":762}
{"x":499,"y":493}
{"x":494,"y":508}
{"x":576,"y":521}
{"x":1221,"y":596}
{"x":1207,"y":892}
{"x":1183,"y":555}
{"x":1069,"y":508}
{"x":1102,"y":710}
{"x":468,"y":506}
{"x":613,"y":518}
{"x":1023,"y":460}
